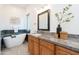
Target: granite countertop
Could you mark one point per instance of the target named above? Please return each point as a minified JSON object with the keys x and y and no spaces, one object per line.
{"x":70,"y":43}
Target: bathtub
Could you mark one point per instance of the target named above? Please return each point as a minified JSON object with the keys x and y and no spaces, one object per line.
{"x":16,"y":41}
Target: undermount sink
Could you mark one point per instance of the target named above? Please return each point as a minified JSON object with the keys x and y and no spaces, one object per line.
{"x":36,"y":35}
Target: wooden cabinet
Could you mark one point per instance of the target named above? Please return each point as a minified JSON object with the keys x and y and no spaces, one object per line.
{"x":33,"y":45}
{"x":45,"y":51}
{"x":30,"y":45}
{"x":46,"y":48}
{"x":38,"y":46}
{"x":64,"y":51}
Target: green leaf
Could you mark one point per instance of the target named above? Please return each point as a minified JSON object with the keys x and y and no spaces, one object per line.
{"x":56,"y":14}
{"x":67,"y":20}
{"x":69,"y":5}
{"x":72,"y":17}
{"x":67,"y":8}
{"x":69,"y":13}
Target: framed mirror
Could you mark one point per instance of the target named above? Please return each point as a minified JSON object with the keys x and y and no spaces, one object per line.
{"x":44,"y":21}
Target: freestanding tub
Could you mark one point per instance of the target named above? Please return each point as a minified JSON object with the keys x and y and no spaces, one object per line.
{"x":12,"y":42}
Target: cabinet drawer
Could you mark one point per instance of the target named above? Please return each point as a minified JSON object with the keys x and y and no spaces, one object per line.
{"x":64,"y":51}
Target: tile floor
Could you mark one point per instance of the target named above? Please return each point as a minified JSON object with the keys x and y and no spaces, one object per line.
{"x":19,"y":50}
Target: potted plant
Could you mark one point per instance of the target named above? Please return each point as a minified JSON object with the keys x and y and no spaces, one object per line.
{"x":62,"y":17}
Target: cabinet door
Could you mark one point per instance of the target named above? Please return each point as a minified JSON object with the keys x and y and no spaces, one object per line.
{"x":64,"y":51}
{"x":33,"y":44}
{"x":46,"y":48}
{"x":30,"y":45}
{"x":36,"y":48}
{"x":45,"y":51}
{"x":60,"y":52}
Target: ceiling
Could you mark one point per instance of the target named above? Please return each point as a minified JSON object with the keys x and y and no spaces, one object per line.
{"x":28,"y":5}
{"x":25,"y":6}
{"x":20,"y":5}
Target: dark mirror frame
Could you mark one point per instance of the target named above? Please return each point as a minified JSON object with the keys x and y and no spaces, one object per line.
{"x":48,"y":20}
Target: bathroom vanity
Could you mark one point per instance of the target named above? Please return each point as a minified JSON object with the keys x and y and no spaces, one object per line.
{"x":49,"y":45}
